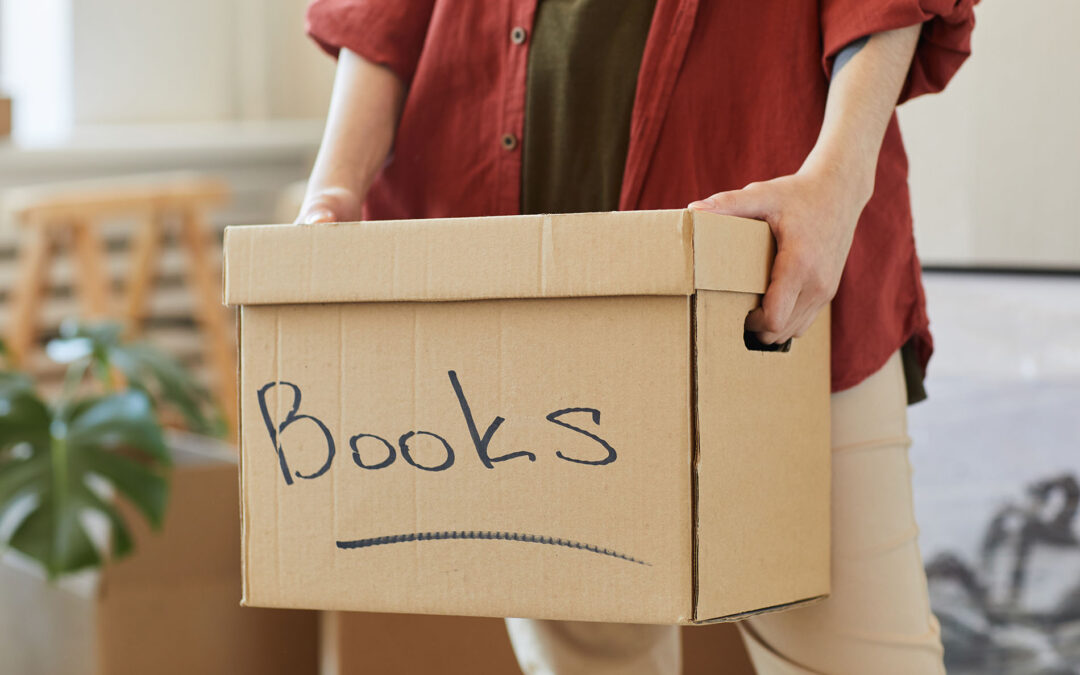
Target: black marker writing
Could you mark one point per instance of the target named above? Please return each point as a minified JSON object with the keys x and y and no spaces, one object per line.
{"x":488,"y":536}
{"x":292,"y":416}
{"x":554,"y":418}
{"x":391,"y":454}
{"x":403,"y":443}
{"x":481,"y":442}
{"x":407,"y":442}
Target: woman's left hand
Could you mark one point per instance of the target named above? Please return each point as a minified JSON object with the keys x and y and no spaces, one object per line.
{"x":813,"y":215}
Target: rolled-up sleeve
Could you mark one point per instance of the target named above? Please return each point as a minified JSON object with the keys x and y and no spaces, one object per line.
{"x":387,"y":32}
{"x":944,"y":44}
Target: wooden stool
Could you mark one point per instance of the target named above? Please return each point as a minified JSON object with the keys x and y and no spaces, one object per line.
{"x":77,"y":211}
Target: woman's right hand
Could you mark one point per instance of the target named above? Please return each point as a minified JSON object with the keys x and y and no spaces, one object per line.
{"x":329,"y":205}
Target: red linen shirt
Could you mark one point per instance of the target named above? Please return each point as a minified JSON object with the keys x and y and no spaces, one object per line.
{"x":728,"y":93}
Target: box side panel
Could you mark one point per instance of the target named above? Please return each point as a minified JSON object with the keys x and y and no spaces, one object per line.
{"x":496,"y":458}
{"x":763,"y":471}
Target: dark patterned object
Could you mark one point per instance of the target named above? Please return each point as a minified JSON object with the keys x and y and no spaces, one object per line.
{"x":1016,"y":611}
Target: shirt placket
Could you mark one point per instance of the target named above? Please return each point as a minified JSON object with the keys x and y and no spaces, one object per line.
{"x":518,"y":37}
{"x":665,"y":48}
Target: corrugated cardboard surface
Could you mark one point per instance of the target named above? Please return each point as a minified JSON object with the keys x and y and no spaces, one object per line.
{"x":731,"y":254}
{"x":5,"y":117}
{"x":460,"y":258}
{"x":715,"y":649}
{"x":568,"y":255}
{"x":762,"y":465}
{"x":621,"y":531}
{"x":358,"y":643}
{"x":367,"y":426}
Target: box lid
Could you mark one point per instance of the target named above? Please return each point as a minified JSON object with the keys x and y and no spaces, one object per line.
{"x":669,"y":252}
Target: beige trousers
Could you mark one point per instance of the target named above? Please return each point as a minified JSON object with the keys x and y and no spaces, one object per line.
{"x":877,"y":619}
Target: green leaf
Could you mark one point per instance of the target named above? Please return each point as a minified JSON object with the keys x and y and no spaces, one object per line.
{"x":148,"y":491}
{"x":122,"y":543}
{"x":24,"y":417}
{"x":170,"y":384}
{"x":11,"y":378}
{"x":49,"y":454}
{"x":124,"y":420}
{"x":56,"y":539}
{"x":20,"y":477}
{"x":114,"y":437}
{"x":99,"y":348}
{"x":103,"y":333}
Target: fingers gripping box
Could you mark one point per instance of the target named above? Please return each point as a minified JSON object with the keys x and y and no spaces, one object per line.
{"x":538,"y":416}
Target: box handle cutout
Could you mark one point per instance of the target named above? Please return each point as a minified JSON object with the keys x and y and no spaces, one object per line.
{"x":755,"y":345}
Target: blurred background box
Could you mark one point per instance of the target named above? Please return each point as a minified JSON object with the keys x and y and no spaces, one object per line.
{"x":5,"y":117}
{"x":171,"y":608}
{"x":357,"y":643}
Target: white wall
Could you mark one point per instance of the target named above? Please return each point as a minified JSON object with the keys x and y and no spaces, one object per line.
{"x":301,"y":75}
{"x":995,"y":159}
{"x":36,"y":63}
{"x":107,"y":88}
{"x":140,"y":60}
{"x":159,"y":61}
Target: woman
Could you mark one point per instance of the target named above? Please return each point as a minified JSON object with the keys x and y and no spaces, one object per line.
{"x":467,"y":108}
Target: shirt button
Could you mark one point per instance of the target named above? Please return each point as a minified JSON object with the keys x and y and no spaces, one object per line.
{"x":518,"y":35}
{"x":508,"y":141}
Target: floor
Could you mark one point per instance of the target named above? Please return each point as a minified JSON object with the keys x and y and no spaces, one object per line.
{"x":996,"y":457}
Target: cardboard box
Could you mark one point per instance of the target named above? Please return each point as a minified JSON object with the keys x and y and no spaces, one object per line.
{"x":358,"y":643}
{"x":170,"y":608}
{"x":5,"y":117}
{"x":355,"y":643}
{"x":541,"y":416}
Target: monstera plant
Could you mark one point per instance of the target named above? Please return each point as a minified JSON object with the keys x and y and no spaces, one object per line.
{"x":100,"y":439}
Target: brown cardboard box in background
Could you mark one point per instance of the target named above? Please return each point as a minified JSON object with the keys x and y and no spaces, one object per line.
{"x":541,"y":416}
{"x":5,"y":117}
{"x":172,"y":607}
{"x":358,"y":643}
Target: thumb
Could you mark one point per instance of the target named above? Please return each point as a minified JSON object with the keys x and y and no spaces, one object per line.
{"x":753,"y":201}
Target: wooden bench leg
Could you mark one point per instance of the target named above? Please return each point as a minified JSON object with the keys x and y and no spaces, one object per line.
{"x":26,"y":295}
{"x":145,"y":248}
{"x":92,"y":284}
{"x":208,"y":311}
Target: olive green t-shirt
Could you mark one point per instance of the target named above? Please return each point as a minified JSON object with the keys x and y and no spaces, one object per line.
{"x":582,"y":75}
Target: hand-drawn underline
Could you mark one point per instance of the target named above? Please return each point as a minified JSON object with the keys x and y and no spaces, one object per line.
{"x":486,"y":535}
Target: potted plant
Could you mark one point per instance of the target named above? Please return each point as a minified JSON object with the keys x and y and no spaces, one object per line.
{"x":102,"y":437}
